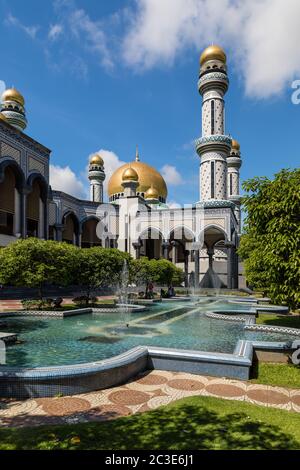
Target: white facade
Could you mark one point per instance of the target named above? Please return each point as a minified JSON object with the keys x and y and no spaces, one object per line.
{"x":202,"y":239}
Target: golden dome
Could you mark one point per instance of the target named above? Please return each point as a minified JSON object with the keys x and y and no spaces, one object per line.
{"x":96,"y":160}
{"x":130,"y":175}
{"x":147,"y":176}
{"x":11,"y":94}
{"x":213,"y":52}
{"x":235,"y":145}
{"x":152,"y":193}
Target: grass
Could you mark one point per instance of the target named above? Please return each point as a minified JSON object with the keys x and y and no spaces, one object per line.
{"x":281,"y":375}
{"x":292,"y":321}
{"x":190,"y":423}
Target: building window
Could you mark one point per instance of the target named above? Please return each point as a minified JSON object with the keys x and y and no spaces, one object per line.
{"x":230,"y":184}
{"x":212,"y":179}
{"x":212,"y":106}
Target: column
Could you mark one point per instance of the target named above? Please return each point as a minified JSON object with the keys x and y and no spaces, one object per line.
{"x":186,"y":268}
{"x":210,"y":253}
{"x":23,"y":210}
{"x":229,"y":265}
{"x":17,"y":214}
{"x":197,"y":266}
{"x":235,"y":282}
{"x":59,"y":232}
{"x":137,"y":247}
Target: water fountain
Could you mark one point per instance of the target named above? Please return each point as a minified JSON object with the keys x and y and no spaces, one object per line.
{"x":123,"y":294}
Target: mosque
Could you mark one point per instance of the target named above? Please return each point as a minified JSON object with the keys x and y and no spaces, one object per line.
{"x":201,"y":239}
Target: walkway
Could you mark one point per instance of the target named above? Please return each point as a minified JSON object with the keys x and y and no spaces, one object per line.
{"x":146,"y":392}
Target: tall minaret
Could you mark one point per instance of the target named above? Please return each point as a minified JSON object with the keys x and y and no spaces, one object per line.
{"x":234,"y":163}
{"x":13,"y":108}
{"x":213,"y":147}
{"x":96,"y":177}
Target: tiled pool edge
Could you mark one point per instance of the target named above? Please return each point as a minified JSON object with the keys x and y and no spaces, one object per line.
{"x":81,"y":378}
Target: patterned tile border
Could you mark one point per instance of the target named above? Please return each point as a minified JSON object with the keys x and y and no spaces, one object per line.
{"x":147,"y":391}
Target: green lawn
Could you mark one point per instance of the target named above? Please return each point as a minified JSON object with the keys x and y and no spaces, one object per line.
{"x":190,"y":423}
{"x":292,"y":321}
{"x":281,"y":375}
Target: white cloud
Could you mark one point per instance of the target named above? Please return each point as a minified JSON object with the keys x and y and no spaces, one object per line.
{"x":55,"y":31}
{"x":92,"y":35}
{"x":261,"y":36}
{"x":31,"y":31}
{"x":174,"y":205}
{"x":2,"y":87}
{"x":64,"y":179}
{"x":171,"y":175}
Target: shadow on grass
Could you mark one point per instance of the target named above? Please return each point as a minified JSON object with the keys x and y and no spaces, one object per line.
{"x":188,"y":426}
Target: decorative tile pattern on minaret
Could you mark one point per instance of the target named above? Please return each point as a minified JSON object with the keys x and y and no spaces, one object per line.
{"x":214,"y":146}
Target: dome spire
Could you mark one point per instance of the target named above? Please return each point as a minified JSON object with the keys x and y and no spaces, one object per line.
{"x":137,"y":156}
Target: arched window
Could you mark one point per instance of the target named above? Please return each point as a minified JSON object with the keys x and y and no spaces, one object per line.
{"x":230,"y":184}
{"x":212,"y":179}
{"x":212,"y":106}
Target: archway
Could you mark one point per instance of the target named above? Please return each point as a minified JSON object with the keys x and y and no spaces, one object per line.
{"x":213,"y":258}
{"x":70,"y":233}
{"x":151,"y":243}
{"x":11,"y":185}
{"x":180,"y":250}
{"x":89,"y":236}
{"x":36,"y":207}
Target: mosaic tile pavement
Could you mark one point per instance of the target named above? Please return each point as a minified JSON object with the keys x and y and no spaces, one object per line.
{"x":146,"y":392}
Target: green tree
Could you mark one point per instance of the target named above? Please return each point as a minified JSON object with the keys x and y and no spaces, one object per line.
{"x":161,"y":271}
{"x":99,"y":267}
{"x":34,"y":263}
{"x":270,"y":244}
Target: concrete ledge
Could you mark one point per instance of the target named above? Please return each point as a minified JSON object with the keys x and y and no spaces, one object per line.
{"x":73,"y":312}
{"x":8,"y":337}
{"x":273,"y":329}
{"x":22,"y":383}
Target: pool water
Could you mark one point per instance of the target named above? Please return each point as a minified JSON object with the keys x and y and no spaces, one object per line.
{"x":93,"y":337}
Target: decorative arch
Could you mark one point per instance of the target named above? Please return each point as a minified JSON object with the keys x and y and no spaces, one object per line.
{"x":185,"y":231}
{"x":88,"y":230}
{"x":71,"y":227}
{"x":212,"y":234}
{"x":12,"y":183}
{"x":151,"y":247}
{"x":40,"y":179}
{"x":8,"y":162}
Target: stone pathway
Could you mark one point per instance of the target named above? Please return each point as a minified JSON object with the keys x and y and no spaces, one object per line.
{"x":146,"y":392}
{"x":6,"y":305}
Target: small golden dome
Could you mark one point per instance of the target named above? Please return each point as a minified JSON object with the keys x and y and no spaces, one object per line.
{"x":2,"y":117}
{"x":11,"y":94}
{"x":130,"y":175}
{"x":147,"y":176}
{"x":96,"y":160}
{"x":152,"y":193}
{"x":235,"y":145}
{"x":213,"y":52}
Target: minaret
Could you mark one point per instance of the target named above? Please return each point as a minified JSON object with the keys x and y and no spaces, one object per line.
{"x":213,"y":147}
{"x":234,"y":163}
{"x":13,"y":108}
{"x":130,"y":182}
{"x":96,"y":177}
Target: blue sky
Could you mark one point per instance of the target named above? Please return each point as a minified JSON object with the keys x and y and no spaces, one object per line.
{"x":107,"y":75}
